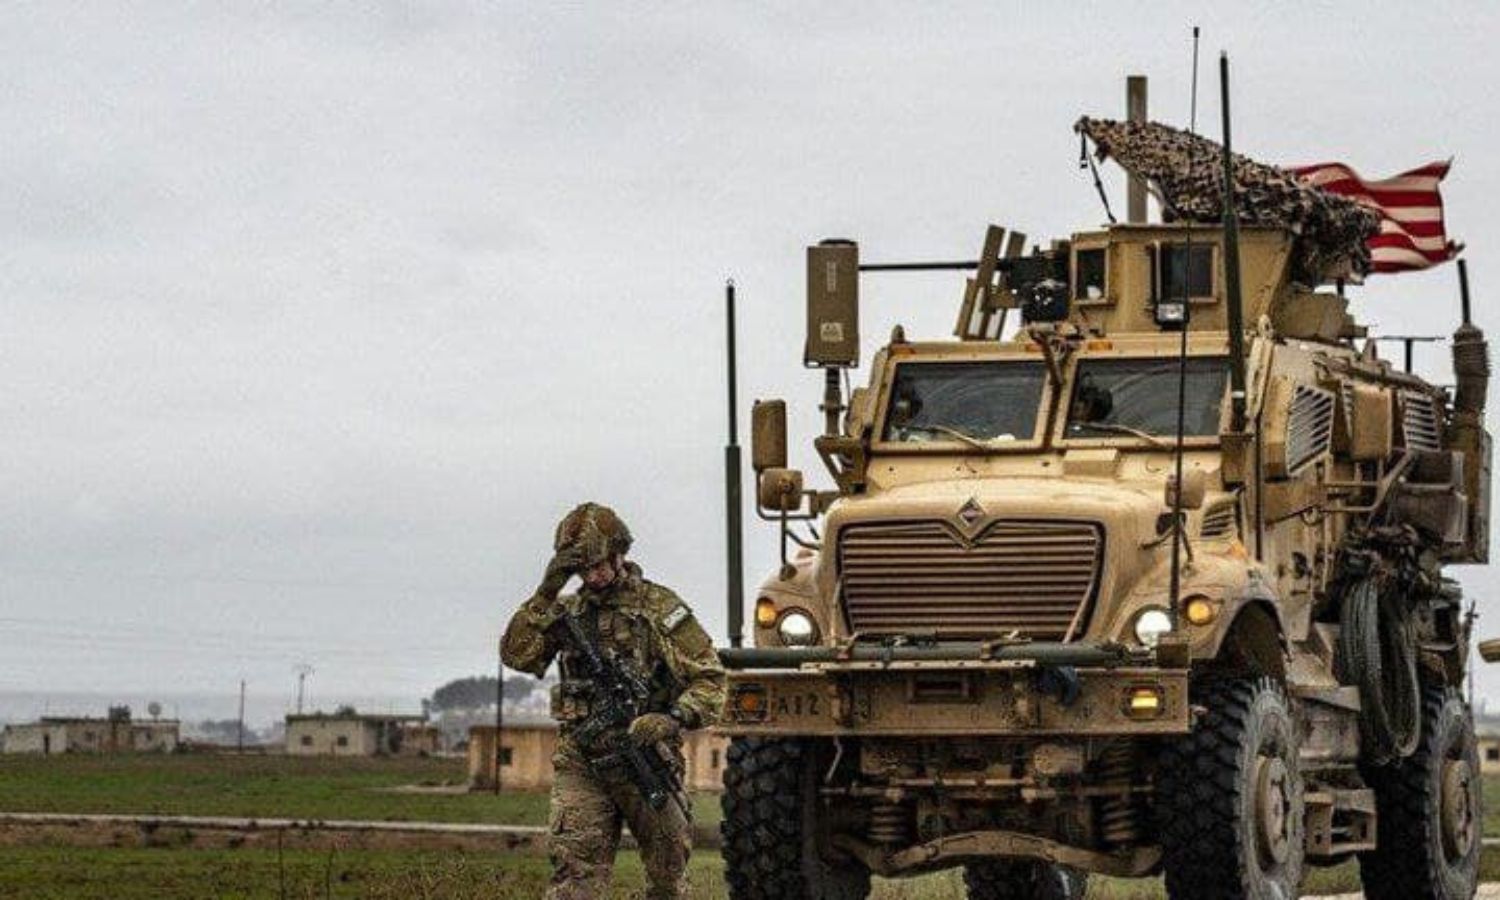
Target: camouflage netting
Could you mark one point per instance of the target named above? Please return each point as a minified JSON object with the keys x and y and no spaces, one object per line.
{"x":1186,"y":173}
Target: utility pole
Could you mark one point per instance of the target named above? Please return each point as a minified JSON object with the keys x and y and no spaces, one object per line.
{"x":499,"y":723}
{"x":240,"y":744}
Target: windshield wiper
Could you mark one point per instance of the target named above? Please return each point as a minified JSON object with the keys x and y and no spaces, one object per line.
{"x":964,"y":436}
{"x":1116,"y":428}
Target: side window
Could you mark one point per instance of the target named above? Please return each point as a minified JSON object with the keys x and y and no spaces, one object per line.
{"x":1187,"y":271}
{"x":1088,"y":274}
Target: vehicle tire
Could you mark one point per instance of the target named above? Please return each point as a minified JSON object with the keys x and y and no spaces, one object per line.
{"x":1004,"y":879}
{"x":1429,"y":808}
{"x":1229,"y":797}
{"x":771,"y":809}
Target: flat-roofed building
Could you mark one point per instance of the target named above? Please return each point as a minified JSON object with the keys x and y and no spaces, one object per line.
{"x":115,"y":733}
{"x":527,"y":745}
{"x":704,"y":751}
{"x":1487,"y":736}
{"x":524,"y":757}
{"x":349,"y":733}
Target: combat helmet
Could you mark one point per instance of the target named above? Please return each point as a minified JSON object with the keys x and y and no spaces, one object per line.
{"x":597,"y":528}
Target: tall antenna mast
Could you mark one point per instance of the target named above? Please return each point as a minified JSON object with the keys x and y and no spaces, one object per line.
{"x":1235,"y":312}
{"x":1175,"y":583}
{"x":734,"y":532}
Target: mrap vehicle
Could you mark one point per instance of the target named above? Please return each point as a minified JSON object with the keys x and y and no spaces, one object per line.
{"x":1153,"y":582}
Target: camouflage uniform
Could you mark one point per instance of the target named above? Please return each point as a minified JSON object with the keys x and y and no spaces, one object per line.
{"x":647,"y":627}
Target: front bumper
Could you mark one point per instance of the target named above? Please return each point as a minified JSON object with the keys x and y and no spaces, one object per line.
{"x":1020,"y":691}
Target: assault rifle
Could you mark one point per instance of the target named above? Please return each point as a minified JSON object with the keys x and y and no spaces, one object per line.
{"x":618,"y":698}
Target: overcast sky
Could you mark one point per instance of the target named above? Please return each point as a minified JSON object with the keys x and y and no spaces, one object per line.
{"x":315,"y":318}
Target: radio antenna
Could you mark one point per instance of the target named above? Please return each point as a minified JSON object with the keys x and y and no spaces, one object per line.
{"x":1174,"y":590}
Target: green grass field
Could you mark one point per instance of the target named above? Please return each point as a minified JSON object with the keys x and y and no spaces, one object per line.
{"x":265,"y":786}
{"x":289,"y":787}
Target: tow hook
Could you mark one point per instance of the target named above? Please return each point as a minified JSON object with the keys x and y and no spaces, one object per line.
{"x":1060,"y":683}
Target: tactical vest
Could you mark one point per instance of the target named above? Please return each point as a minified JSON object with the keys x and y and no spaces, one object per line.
{"x":625,"y":634}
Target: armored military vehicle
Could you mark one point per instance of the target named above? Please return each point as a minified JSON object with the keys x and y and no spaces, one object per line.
{"x":1153,"y":582}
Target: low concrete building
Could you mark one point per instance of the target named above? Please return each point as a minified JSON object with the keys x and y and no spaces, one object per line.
{"x":43,"y":737}
{"x":525,"y":756}
{"x":349,"y":733}
{"x":705,"y":751}
{"x":421,"y":739}
{"x":115,"y":733}
{"x":1487,"y":735}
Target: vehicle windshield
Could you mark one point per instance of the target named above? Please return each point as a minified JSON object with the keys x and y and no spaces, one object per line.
{"x":965,"y":402}
{"x":1137,"y":398}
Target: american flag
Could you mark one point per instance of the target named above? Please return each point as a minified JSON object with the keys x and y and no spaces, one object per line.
{"x":1412,"y":235}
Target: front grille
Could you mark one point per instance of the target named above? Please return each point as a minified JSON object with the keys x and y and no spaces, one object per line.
{"x":1037,"y":578}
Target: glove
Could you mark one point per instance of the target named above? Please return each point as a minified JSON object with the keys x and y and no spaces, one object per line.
{"x":592,"y":548}
{"x":565,"y":563}
{"x":654,"y":728}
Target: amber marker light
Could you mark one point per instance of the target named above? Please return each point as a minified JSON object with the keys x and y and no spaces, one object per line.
{"x":1143,"y":702}
{"x":749,"y":702}
{"x":765,"y":612}
{"x":1201,"y":611}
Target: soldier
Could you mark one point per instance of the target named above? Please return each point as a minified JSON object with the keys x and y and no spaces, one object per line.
{"x":649,"y":629}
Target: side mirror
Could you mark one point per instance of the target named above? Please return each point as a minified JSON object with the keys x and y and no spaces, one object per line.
{"x":780,"y":490}
{"x":1194,"y":487}
{"x":768,"y":435}
{"x":858,"y":416}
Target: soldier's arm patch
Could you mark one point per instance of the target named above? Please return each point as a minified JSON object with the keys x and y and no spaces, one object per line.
{"x":675,"y":617}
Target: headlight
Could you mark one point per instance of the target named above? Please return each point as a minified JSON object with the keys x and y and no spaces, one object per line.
{"x":1151,"y":624}
{"x":797,"y":629}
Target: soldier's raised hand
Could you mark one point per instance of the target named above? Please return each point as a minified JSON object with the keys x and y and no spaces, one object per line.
{"x":565,"y":563}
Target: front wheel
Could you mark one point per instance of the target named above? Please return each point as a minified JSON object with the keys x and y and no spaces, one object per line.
{"x":770,"y":828}
{"x":1427,"y":839}
{"x":1230,"y":797}
{"x":1004,"y":879}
